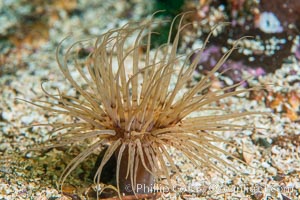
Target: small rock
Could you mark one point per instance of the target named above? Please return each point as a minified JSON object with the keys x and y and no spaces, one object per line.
{"x":27,"y":119}
{"x":4,"y":146}
{"x":272,"y":170}
{"x":265,"y":165}
{"x":6,"y":116}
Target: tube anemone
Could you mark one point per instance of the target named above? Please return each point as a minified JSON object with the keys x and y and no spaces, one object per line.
{"x":129,"y":103}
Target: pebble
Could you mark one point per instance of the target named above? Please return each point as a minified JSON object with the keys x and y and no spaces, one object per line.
{"x":272,"y":171}
{"x":7,"y":116}
{"x":265,"y":165}
{"x":4,"y":146}
{"x":275,"y":150}
{"x":248,"y":132}
{"x":27,"y":119}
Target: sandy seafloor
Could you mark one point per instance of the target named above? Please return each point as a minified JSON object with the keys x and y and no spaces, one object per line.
{"x":274,"y":161}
